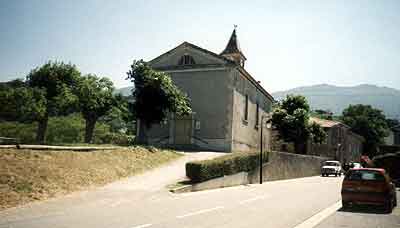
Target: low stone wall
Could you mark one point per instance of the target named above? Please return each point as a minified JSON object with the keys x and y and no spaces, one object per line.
{"x":281,"y":166}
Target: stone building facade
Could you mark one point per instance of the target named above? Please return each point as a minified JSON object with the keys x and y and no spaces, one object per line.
{"x":341,"y":144}
{"x":228,"y":103}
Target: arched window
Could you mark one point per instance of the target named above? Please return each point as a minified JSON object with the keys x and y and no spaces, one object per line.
{"x":186,"y":60}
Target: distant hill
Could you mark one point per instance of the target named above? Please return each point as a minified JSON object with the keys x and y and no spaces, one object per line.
{"x":335,"y":98}
{"x":125,"y":91}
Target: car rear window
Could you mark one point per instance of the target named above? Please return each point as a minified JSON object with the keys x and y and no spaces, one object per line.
{"x":365,"y":175}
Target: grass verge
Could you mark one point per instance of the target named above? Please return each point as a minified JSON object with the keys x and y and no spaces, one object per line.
{"x":27,"y":175}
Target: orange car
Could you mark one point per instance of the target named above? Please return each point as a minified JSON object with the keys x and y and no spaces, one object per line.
{"x":368,"y":186}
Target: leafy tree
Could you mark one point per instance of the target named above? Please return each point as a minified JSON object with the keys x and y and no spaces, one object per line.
{"x":291,"y":119}
{"x":96,"y":99}
{"x":16,"y":83}
{"x":367,"y":122}
{"x":155,"y":95}
{"x":21,"y":103}
{"x":120,"y":118}
{"x":56,"y":80}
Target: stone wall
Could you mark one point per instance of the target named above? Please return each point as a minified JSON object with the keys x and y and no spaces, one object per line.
{"x":281,"y":166}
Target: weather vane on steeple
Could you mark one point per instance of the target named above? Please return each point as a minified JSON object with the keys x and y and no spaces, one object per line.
{"x":235,"y":26}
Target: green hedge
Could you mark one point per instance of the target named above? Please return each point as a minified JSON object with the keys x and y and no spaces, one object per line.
{"x":116,"y":138}
{"x":199,"y":171}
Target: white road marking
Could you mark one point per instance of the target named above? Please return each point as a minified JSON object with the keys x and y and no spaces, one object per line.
{"x":252,"y":199}
{"x":143,"y":226}
{"x":317,"y":218}
{"x":199,"y":212}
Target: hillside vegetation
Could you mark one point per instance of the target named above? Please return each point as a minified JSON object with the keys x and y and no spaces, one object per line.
{"x":336,"y":99}
{"x":27,"y":175}
{"x":65,"y":130}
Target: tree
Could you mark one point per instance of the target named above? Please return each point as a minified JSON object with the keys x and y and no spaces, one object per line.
{"x":22,"y":103}
{"x":120,"y":118}
{"x":95,"y":100}
{"x":155,"y":96}
{"x":291,"y":119}
{"x":56,"y":80}
{"x":367,"y":122}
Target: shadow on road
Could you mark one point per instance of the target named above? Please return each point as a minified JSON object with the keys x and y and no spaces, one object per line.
{"x":366,"y":209}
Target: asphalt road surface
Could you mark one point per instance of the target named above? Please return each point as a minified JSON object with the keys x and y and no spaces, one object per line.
{"x":363,"y":217}
{"x":141,"y":202}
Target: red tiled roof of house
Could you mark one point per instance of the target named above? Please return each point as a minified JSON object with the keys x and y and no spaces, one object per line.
{"x":324,"y":123}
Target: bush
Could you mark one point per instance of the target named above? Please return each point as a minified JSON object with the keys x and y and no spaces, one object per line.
{"x":200,"y":171}
{"x":25,"y":133}
{"x":115,"y":138}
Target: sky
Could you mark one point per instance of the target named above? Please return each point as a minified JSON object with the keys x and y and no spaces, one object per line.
{"x":287,"y":43}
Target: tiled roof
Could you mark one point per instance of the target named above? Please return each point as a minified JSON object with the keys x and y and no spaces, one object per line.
{"x":324,"y":123}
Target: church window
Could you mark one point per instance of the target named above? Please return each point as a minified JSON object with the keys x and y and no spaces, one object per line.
{"x":186,"y":60}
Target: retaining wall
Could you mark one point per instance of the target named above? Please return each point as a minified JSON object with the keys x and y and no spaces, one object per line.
{"x":281,"y":166}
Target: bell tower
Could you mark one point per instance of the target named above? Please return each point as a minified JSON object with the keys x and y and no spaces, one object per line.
{"x":232,"y":50}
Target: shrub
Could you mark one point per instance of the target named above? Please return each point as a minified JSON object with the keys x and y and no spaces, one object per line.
{"x":199,"y":171}
{"x":65,"y":129}
{"x":25,"y":133}
{"x":115,"y":138}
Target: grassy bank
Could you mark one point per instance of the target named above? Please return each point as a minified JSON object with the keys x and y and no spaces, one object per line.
{"x":27,"y":175}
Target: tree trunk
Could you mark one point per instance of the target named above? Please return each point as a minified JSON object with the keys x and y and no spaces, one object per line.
{"x":89,"y":128}
{"x":41,"y":130}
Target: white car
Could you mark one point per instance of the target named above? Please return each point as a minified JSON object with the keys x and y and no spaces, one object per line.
{"x":331,"y":168}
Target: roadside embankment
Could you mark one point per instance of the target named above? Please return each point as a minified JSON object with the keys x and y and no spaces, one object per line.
{"x":29,"y":175}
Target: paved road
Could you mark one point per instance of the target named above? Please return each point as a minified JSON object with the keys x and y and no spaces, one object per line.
{"x":142,"y":201}
{"x":123,"y":205}
{"x":363,"y":217}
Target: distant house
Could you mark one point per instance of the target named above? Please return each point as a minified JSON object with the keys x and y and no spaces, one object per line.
{"x":228,"y":103}
{"x":341,"y":144}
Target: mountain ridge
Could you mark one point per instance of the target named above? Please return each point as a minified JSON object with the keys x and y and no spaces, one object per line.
{"x":337,"y":98}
